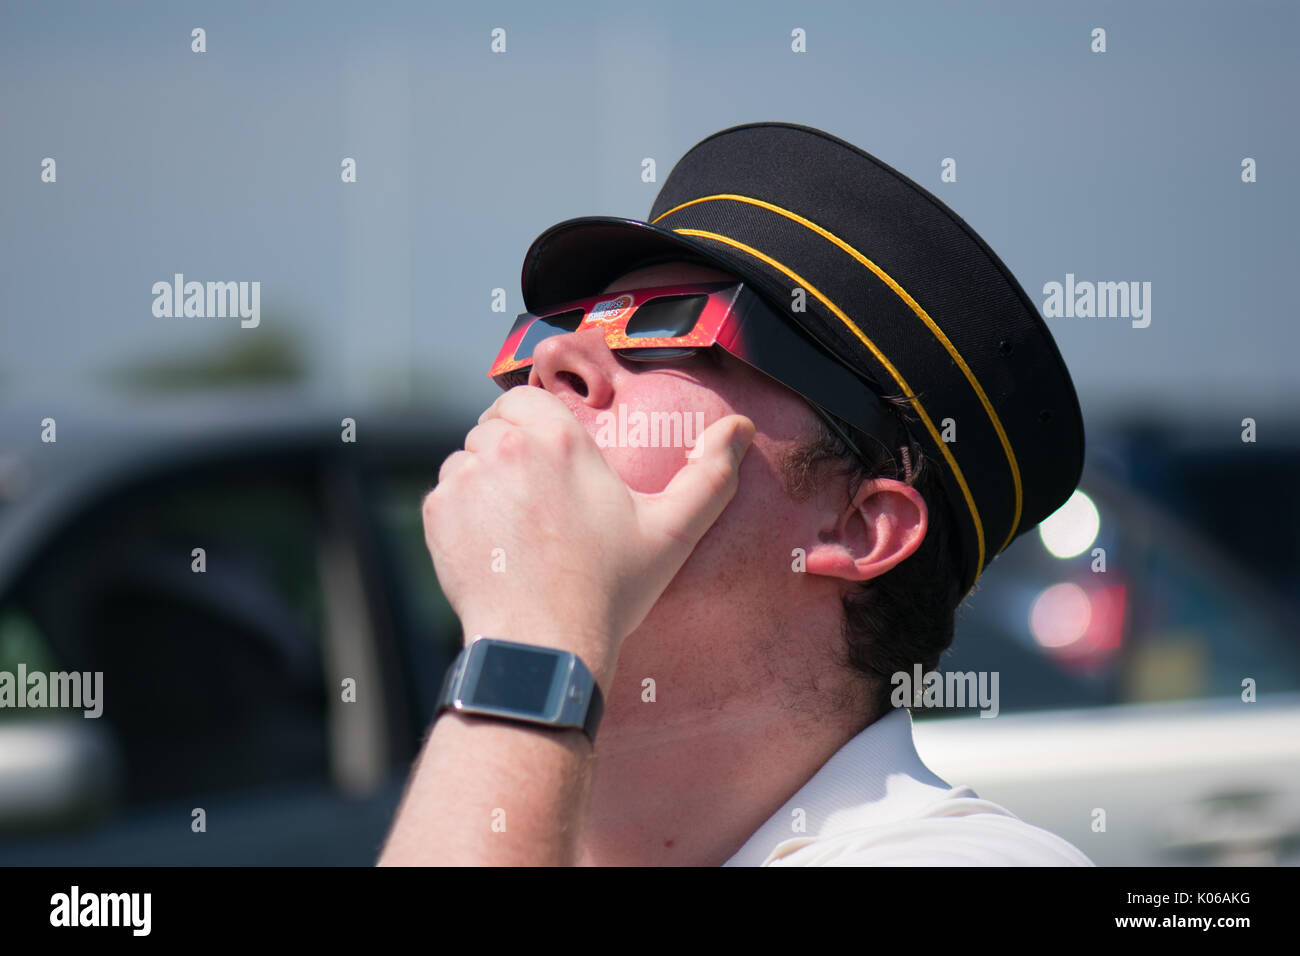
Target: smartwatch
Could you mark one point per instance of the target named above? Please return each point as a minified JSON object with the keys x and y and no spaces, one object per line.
{"x":537,"y":685}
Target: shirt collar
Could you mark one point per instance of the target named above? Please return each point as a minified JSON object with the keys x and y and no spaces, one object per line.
{"x":875,"y":778}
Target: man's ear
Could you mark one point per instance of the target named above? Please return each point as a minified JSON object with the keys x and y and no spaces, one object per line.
{"x":881,"y":527}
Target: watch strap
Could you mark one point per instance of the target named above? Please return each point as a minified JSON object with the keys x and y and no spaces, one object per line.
{"x":595,"y":710}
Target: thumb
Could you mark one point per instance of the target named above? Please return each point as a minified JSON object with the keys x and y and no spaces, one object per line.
{"x":702,"y":488}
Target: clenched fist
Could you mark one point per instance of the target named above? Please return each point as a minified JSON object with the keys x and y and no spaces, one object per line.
{"x":585,"y":557}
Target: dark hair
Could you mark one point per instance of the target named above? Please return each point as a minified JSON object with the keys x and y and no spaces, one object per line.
{"x":905,"y":616}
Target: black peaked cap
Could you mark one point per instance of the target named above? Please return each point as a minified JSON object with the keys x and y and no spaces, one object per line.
{"x":896,"y":284}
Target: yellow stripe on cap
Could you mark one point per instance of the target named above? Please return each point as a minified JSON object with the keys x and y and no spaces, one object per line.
{"x":880,"y":356}
{"x":920,"y":313}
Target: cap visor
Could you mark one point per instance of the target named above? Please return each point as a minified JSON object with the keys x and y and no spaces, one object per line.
{"x":579,"y":257}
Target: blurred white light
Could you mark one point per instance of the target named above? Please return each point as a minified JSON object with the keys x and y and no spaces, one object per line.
{"x":1060,"y":615}
{"x":1072,"y":528}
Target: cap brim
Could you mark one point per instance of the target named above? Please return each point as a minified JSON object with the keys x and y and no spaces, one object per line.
{"x":579,"y":257}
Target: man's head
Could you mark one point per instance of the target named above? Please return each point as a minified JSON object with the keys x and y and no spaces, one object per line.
{"x":890,"y":281}
{"x":813,"y":559}
{"x":885,"y":277}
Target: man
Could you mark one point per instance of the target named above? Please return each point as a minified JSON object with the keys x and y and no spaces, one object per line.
{"x":884,"y":412}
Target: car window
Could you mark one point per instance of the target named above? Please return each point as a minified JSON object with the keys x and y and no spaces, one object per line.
{"x":211,"y":661}
{"x":1199,"y":633}
{"x":22,"y":643}
{"x":430,"y":630}
{"x":1172,"y":617}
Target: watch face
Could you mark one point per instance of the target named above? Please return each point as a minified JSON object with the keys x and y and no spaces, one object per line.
{"x":514,"y":678}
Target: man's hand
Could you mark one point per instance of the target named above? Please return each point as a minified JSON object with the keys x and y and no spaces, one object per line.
{"x":583,"y":557}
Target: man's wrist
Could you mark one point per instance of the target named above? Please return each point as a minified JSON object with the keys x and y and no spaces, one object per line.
{"x":515,"y":681}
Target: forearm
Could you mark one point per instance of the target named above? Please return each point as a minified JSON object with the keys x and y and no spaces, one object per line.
{"x":588,"y":557}
{"x":494,"y":793}
{"x":501,"y":793}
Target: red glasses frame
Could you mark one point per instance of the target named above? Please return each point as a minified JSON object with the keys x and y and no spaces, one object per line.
{"x":613,"y":312}
{"x":732,"y":316}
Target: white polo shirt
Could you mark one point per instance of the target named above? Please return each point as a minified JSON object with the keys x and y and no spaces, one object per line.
{"x":874,"y":803}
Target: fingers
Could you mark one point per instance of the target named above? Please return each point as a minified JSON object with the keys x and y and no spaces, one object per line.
{"x":524,"y":416}
{"x":451,"y":464}
{"x":486,"y":434}
{"x":525,"y":404}
{"x":509,"y":440}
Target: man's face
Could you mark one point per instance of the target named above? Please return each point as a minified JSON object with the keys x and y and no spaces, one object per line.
{"x":602,"y":387}
{"x":736,"y":623}
{"x":714,"y":634}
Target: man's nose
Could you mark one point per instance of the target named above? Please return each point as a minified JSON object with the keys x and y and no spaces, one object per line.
{"x":578,"y":364}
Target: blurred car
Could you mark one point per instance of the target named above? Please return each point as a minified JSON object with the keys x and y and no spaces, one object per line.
{"x":257,"y":594}
{"x":226,"y":689}
{"x":1149,"y":689}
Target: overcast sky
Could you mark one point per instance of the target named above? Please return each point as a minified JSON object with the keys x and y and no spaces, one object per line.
{"x":1115,"y":166}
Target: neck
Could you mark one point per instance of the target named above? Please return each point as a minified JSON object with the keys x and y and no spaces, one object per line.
{"x":691,"y":786}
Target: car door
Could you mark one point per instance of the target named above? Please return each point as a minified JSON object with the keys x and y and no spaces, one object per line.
{"x":225,"y":606}
{"x":1164,"y":728}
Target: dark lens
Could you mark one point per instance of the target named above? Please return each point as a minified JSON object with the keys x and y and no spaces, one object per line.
{"x":657,"y":355}
{"x":544,"y":328}
{"x":666,"y":317}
